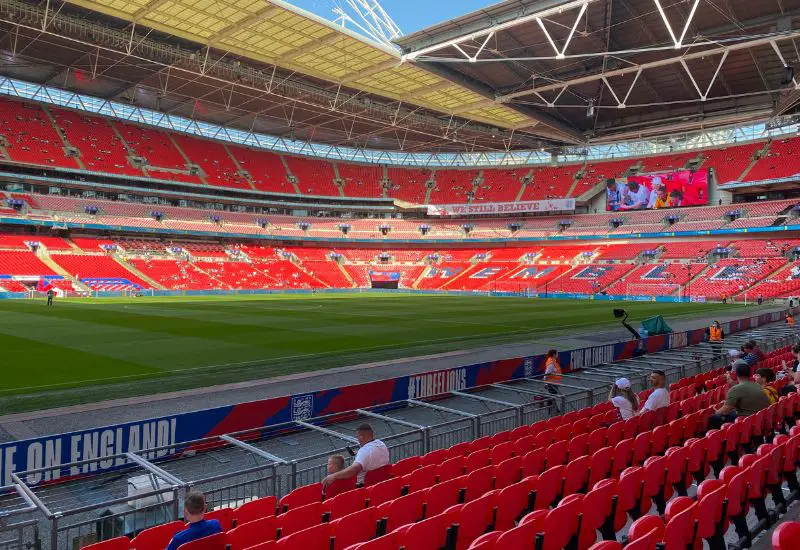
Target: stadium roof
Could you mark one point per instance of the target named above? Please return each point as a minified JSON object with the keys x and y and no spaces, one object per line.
{"x":614,"y":69}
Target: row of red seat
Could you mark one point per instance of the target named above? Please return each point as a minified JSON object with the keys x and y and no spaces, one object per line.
{"x":549,"y":459}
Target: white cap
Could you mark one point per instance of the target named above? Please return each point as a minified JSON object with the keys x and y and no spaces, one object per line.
{"x":734,"y":353}
{"x":623,"y":383}
{"x":657,"y":181}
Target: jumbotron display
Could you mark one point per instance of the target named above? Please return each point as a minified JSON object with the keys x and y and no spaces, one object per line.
{"x":653,"y":191}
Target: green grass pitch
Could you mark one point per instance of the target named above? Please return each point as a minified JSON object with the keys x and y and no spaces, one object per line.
{"x":84,"y":350}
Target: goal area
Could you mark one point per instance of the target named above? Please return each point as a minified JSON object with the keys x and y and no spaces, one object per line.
{"x":652,"y":289}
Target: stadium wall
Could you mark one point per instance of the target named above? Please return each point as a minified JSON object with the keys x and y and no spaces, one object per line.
{"x":96,"y":444}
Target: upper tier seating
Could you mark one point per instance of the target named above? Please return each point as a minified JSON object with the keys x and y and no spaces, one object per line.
{"x":30,"y":135}
{"x":730,"y":162}
{"x":164,"y":160}
{"x":101,"y":148}
{"x":500,"y":185}
{"x":549,"y":182}
{"x":314,"y":177}
{"x":782,"y":160}
{"x":213,"y":159}
{"x":17,"y":242}
{"x":452,"y":186}
{"x":361,"y":180}
{"x":107,"y":145}
{"x":265,"y":168}
{"x":597,"y":172}
{"x":408,"y":184}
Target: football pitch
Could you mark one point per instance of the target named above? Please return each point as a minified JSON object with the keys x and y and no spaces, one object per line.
{"x":84,"y":350}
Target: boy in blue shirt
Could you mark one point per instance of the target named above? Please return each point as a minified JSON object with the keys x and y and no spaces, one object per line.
{"x":194,"y":510}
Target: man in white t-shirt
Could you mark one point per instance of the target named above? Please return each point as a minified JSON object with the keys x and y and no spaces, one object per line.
{"x":636,"y":198}
{"x":372,"y":455}
{"x":659,"y":399}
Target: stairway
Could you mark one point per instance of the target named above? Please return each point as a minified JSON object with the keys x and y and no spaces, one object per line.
{"x":289,"y":176}
{"x":346,"y":275}
{"x":222,"y":285}
{"x":137,"y":272}
{"x":64,"y":142}
{"x":239,"y":167}
{"x":421,"y":277}
{"x":760,"y":154}
{"x":525,"y":180}
{"x":200,"y":175}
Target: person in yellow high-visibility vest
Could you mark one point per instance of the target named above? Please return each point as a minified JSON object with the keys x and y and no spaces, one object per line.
{"x":552,"y":373}
{"x":715,"y":336}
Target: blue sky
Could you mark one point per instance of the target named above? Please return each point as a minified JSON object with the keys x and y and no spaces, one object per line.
{"x":410,"y":15}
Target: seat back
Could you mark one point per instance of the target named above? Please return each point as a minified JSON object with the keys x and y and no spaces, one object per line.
{"x":214,"y":542}
{"x":156,"y":537}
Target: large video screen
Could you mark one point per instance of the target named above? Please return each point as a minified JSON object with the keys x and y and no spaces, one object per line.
{"x":650,"y":191}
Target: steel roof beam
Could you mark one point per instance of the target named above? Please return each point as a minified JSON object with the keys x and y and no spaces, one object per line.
{"x":369,"y":71}
{"x":651,"y":65}
{"x":144,"y":11}
{"x":497,"y":27}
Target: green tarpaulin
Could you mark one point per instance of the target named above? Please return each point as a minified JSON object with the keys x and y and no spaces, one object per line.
{"x":656,"y":325}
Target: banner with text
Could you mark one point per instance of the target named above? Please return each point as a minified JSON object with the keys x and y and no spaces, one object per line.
{"x":553,"y":205}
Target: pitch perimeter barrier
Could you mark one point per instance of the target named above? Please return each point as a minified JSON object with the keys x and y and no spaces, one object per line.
{"x":102,"y":496}
{"x":150,"y":293}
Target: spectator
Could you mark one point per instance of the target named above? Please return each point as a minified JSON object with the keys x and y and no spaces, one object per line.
{"x":623,"y":398}
{"x":659,"y":399}
{"x":752,"y":354}
{"x":335,"y":464}
{"x":194,"y":510}
{"x":789,"y":319}
{"x":743,"y":399}
{"x":765,"y":378}
{"x":372,"y":455}
{"x":636,"y":198}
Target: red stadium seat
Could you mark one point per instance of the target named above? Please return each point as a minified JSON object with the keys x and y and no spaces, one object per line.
{"x":786,"y":536}
{"x":354,"y":528}
{"x":255,"y":509}
{"x":443,"y":495}
{"x":376,"y":476}
{"x":345,"y":503}
{"x":302,"y":496}
{"x":302,"y":517}
{"x":156,"y":537}
{"x":251,"y":533}
{"x":508,"y":472}
{"x":318,"y":536}
{"x":403,"y":510}
{"x":385,"y":491}
{"x":223,"y":515}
